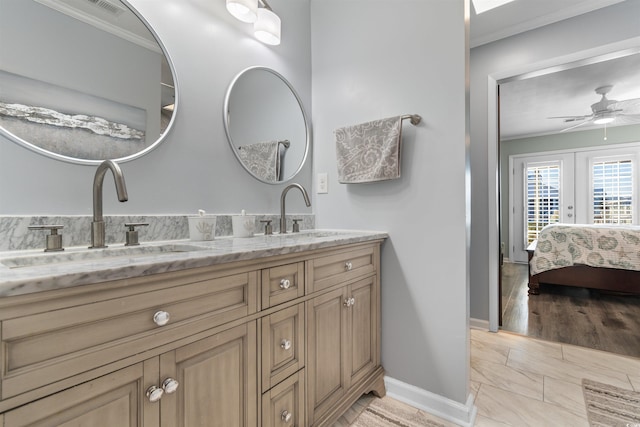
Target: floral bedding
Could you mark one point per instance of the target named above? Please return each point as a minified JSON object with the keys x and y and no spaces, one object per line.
{"x":563,"y":245}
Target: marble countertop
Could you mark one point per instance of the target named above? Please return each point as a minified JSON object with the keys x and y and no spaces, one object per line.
{"x":25,"y":272}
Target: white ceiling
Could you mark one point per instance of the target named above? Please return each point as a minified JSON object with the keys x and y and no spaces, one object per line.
{"x":527,"y":104}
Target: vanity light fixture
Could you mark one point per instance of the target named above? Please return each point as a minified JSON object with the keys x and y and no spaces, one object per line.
{"x":266,"y":24}
{"x":267,"y":27}
{"x":484,"y":5}
{"x":243,"y":10}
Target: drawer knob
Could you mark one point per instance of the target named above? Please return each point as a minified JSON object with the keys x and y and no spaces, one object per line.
{"x":286,"y":416}
{"x":285,"y":344}
{"x":170,"y":385}
{"x":348,"y":266}
{"x":285,"y":284}
{"x":161,"y":318}
{"x":154,"y":393}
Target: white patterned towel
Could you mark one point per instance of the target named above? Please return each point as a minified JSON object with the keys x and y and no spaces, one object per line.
{"x":263,"y":159}
{"x":370,"y":151}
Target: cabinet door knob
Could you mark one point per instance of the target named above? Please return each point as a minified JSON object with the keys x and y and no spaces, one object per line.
{"x":347,"y":302}
{"x":286,"y":416}
{"x":154,"y":393}
{"x":285,"y":344}
{"x":348,"y":266}
{"x":285,"y":283}
{"x":170,"y":385}
{"x":352,"y":300}
{"x":161,"y":318}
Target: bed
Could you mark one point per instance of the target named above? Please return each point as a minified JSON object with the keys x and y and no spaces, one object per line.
{"x":604,"y":257}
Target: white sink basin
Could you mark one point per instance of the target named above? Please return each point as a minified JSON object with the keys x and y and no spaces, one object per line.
{"x":96,"y":254}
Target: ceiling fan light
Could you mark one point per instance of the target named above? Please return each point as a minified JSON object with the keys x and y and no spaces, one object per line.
{"x":604,"y":120}
{"x":243,"y":10}
{"x":267,"y":27}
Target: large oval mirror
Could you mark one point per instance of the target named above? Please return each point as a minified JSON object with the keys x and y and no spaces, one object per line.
{"x":83,"y":80}
{"x":266,"y":125}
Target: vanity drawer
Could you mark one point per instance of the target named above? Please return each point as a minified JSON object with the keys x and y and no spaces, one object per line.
{"x":282,"y":283}
{"x":283,"y":405}
{"x":45,"y":347}
{"x":342,"y":266}
{"x":282,"y":345}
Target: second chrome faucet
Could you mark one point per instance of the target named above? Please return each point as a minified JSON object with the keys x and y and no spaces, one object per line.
{"x":283,"y":215}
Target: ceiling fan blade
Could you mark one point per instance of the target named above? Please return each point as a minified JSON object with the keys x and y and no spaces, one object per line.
{"x":627,"y":119}
{"x":575,"y":126}
{"x":628,"y":106}
{"x":572,"y":118}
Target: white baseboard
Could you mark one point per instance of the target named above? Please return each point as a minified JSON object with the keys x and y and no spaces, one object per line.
{"x":479,"y":324}
{"x":450,"y":410}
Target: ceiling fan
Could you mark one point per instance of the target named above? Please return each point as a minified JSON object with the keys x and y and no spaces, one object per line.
{"x":606,"y":111}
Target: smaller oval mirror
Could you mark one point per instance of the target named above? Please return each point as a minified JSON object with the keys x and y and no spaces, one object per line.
{"x":266,"y":125}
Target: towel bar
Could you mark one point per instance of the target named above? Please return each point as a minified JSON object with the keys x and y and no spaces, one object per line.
{"x":415,"y":119}
{"x":284,"y":142}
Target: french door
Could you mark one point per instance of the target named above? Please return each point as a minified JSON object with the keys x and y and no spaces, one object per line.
{"x":542,"y":193}
{"x":595,"y":186}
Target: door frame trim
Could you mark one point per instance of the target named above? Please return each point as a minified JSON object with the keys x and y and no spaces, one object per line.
{"x":493,"y":79}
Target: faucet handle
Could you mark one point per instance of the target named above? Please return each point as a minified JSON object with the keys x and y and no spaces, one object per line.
{"x":268,"y":228}
{"x":54,"y":240}
{"x":296,"y":226}
{"x":132,"y":233}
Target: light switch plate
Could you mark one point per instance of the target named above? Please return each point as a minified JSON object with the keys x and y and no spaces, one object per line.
{"x":323,"y":183}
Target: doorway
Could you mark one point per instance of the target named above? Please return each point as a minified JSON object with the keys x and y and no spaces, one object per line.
{"x":495,"y":214}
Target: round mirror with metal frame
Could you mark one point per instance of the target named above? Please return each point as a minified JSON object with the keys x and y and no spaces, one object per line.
{"x":266,"y":125}
{"x":83,"y":81}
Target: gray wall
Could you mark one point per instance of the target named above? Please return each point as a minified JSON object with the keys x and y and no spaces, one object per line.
{"x":375,"y":59}
{"x":563,"y":141}
{"x":194,"y":168}
{"x":556,"y":40}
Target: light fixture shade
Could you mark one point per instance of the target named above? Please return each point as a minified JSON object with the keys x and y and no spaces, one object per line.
{"x":267,"y":27}
{"x":604,"y":120}
{"x":244,"y":10}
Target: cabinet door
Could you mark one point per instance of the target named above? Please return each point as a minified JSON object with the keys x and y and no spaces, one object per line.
{"x":217,"y":379}
{"x":117,"y":399}
{"x":363,"y":331}
{"x":326,"y":341}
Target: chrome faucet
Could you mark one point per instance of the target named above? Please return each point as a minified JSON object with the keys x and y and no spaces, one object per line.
{"x":283,"y":217}
{"x":97,"y":226}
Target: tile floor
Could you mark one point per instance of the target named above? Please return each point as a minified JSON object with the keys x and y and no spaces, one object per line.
{"x":521,"y":381}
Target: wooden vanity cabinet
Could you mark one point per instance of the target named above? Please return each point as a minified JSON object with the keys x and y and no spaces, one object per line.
{"x":285,"y":341}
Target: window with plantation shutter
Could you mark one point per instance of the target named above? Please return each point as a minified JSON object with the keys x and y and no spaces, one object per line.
{"x":612,"y":191}
{"x":543,"y":198}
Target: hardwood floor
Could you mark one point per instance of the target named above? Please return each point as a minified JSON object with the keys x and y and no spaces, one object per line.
{"x":564,"y":314}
